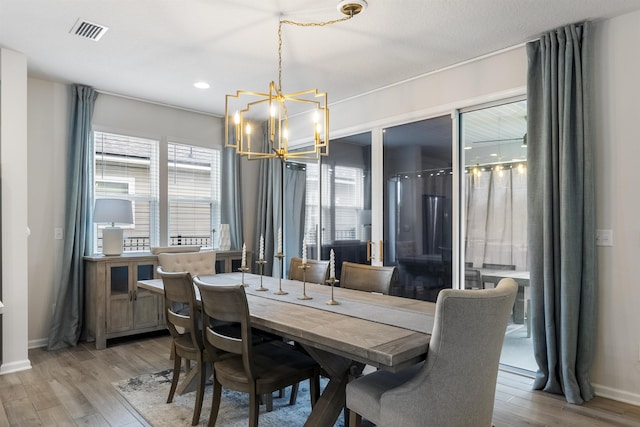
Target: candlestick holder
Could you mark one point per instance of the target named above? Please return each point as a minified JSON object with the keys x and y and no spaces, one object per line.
{"x":280,"y":256}
{"x":261,"y":264}
{"x":243,"y":270}
{"x":332,"y":281}
{"x":304,"y":282}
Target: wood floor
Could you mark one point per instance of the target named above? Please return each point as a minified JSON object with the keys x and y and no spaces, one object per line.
{"x":72,"y":387}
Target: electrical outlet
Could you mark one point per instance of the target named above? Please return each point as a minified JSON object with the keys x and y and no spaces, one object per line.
{"x":604,"y":237}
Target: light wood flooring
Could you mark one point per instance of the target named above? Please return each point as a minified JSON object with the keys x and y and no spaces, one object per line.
{"x":72,"y":387}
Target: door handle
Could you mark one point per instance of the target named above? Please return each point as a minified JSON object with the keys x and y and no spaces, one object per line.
{"x":381,"y":250}
{"x":368,"y":250}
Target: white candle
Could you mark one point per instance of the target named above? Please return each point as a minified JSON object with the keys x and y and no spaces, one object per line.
{"x":244,"y":256}
{"x":261,"y":247}
{"x":332,"y":265}
{"x":279,"y":240}
{"x":304,"y":251}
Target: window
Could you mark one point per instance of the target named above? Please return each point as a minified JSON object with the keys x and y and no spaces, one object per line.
{"x":126,"y":167}
{"x":129,"y":167}
{"x":194,"y":194}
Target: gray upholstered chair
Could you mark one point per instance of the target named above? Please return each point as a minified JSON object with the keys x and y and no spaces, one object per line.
{"x":317,"y":271}
{"x":201,"y":263}
{"x":450,"y":388}
{"x":369,"y":278}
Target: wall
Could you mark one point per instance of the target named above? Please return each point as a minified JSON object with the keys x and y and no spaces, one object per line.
{"x":616,"y":369}
{"x":617,"y":92}
{"x":13,"y":180}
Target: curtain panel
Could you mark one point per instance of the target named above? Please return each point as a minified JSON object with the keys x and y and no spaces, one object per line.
{"x":68,"y":316}
{"x":561,"y":217}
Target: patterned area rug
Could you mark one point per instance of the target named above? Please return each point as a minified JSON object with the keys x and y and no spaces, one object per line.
{"x":148,"y":395}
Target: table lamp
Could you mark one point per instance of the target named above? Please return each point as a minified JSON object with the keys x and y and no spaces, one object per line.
{"x":112,"y":211}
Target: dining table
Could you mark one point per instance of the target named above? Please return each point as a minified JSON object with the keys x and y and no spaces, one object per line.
{"x":383,"y":331}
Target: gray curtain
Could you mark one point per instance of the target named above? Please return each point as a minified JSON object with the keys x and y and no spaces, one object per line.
{"x":68,"y":315}
{"x":231,"y":195}
{"x":561,"y":216}
{"x":268,"y":215}
{"x":295,"y":189}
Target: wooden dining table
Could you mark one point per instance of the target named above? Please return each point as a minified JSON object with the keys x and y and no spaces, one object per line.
{"x":383,"y":331}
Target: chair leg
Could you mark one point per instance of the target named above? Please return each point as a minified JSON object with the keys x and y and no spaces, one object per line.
{"x":294,"y":394}
{"x":254,"y":409}
{"x":314,"y":389}
{"x":215,"y":402}
{"x":175,"y":377}
{"x":268,"y":401}
{"x":199,"y":393}
{"x":355,"y":420}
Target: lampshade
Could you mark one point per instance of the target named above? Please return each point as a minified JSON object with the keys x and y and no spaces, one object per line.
{"x":113,"y":211}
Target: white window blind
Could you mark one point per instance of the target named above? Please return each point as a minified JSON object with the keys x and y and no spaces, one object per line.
{"x":126,"y":167}
{"x":193,"y":194}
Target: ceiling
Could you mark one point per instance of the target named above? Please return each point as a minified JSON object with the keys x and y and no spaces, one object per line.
{"x":156,"y":49}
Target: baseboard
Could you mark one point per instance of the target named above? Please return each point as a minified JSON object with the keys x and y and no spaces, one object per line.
{"x":20,"y":365}
{"x":615,"y":394}
{"x":42,"y":342}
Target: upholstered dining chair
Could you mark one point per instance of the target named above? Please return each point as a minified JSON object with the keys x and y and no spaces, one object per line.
{"x":186,"y":336}
{"x":257,"y":370}
{"x":316,"y":272}
{"x":450,"y":388}
{"x":369,"y":278}
{"x":201,"y":263}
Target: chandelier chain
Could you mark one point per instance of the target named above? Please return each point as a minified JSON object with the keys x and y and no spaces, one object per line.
{"x":300,"y":24}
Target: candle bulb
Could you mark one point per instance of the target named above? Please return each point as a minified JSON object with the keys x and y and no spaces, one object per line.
{"x":279,"y":240}
{"x":261,"y":247}
{"x":244,"y":256}
{"x":304,"y":251}
{"x":332,"y":265}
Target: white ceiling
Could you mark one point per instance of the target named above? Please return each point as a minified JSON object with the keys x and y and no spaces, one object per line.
{"x":156,"y":49}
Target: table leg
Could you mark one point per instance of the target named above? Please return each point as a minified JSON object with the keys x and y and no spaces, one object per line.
{"x":332,"y":400}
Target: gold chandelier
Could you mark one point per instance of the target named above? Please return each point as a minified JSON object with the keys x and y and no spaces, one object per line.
{"x":246,"y":112}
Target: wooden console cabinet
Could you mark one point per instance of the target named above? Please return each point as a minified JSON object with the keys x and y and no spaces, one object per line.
{"x":115,"y":307}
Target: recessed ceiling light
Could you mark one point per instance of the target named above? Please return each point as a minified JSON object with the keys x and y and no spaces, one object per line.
{"x":202,"y":85}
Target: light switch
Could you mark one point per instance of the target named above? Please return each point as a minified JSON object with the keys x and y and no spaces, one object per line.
{"x":57,"y":233}
{"x":604,"y":237}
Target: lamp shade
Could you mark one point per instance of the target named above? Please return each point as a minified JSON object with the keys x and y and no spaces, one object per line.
{"x":113,"y":211}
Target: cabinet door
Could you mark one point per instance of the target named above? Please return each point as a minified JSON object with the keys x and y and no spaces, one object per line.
{"x":146,"y":306}
{"x":120,"y":308}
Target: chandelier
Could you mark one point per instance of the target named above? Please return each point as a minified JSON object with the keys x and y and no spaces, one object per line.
{"x":246,"y":113}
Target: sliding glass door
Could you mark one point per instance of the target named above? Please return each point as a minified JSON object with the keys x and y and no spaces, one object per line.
{"x":417,"y":206}
{"x":494,"y":213}
{"x":337,"y":211}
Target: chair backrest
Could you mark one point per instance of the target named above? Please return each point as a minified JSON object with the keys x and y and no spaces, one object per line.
{"x":179,"y":294}
{"x":226,"y":304}
{"x":472,"y":278}
{"x":197,"y":263}
{"x":499,"y":266}
{"x":462,"y":362}
{"x":316,"y":272}
{"x":369,"y":278}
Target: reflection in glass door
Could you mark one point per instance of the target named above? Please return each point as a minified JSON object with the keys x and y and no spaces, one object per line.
{"x":338,"y":202}
{"x":494,"y":215}
{"x":417,"y":199}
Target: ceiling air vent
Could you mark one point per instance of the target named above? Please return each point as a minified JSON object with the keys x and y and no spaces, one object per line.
{"x":88,"y":30}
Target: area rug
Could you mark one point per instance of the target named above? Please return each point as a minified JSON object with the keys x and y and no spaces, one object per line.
{"x":148,"y":395}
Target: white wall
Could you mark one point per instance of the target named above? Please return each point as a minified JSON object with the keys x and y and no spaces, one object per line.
{"x":46,"y":157}
{"x":617,"y":93}
{"x":616,"y":370}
